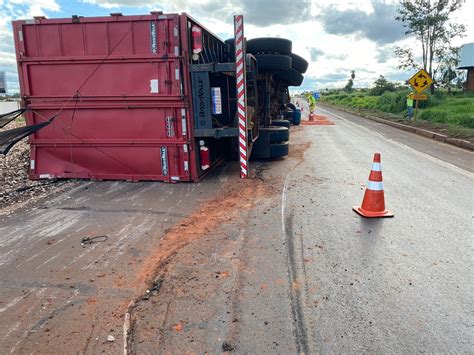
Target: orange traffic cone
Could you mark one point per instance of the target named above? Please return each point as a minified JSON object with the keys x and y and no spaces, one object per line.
{"x":373,"y":204}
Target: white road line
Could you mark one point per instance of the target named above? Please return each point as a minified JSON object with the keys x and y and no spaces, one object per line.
{"x":11,"y":304}
{"x":126,"y":328}
{"x":12,"y":329}
{"x":283,"y":203}
{"x":48,"y":260}
{"x":406,"y":147}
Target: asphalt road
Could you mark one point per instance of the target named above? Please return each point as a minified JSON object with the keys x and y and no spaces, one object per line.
{"x":279,"y":264}
{"x":60,"y":296}
{"x":400,"y":285}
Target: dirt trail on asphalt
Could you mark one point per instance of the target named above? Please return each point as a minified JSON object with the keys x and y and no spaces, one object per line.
{"x":237,"y":196}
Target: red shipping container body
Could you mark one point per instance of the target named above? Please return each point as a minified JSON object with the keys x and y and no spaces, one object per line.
{"x":120,"y":88}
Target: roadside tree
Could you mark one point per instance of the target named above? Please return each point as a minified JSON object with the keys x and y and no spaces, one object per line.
{"x":381,"y":85}
{"x":429,"y":21}
{"x":350,"y":83}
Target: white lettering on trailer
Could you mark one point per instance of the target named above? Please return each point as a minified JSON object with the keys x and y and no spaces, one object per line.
{"x":176,"y":74}
{"x":20,"y":35}
{"x":32,"y":164}
{"x":175,"y":31}
{"x":186,"y":166}
{"x":185,"y":148}
{"x":153,"y":39}
{"x":176,"y":51}
{"x":164,"y":160}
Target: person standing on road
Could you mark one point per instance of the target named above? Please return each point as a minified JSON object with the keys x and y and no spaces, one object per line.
{"x":311,"y":101}
{"x":410,"y":106}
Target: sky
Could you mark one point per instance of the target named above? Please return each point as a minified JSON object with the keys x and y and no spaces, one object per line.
{"x":335,"y":36}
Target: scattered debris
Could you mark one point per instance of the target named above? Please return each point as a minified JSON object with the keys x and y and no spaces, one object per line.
{"x":222,"y":274}
{"x":153,"y":290}
{"x":15,"y":186}
{"x":90,"y":240}
{"x":178,"y":327}
{"x":110,"y":338}
{"x":227,"y":346}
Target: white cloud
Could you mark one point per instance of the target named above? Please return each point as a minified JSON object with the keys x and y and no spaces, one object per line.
{"x":353,"y":45}
{"x":14,"y":9}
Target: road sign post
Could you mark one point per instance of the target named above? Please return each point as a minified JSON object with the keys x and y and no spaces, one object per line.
{"x":241,"y":94}
{"x":420,"y":82}
{"x":416,"y":110}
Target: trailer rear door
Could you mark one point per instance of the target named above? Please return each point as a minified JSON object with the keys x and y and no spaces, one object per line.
{"x":116,"y":86}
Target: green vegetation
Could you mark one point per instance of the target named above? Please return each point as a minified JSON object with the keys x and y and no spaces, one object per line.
{"x":455,"y":108}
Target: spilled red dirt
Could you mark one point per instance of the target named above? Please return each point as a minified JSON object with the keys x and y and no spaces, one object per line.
{"x":297,"y":150}
{"x":319,"y":120}
{"x":236,"y":196}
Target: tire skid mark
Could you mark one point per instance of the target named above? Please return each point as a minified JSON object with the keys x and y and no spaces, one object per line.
{"x":239,"y":196}
{"x":296,"y":297}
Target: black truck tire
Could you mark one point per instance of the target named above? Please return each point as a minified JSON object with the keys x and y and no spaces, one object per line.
{"x":288,"y":116}
{"x":268,"y":151}
{"x":279,"y":150}
{"x":230,"y":48}
{"x":269,"y":45}
{"x":270,"y":141}
{"x":273,"y":62}
{"x":274,"y":134}
{"x":281,"y":123}
{"x":279,"y":134}
{"x":291,"y":76}
{"x":298,"y":63}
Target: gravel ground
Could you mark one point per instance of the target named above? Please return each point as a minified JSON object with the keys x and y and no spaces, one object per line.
{"x":16,"y":189}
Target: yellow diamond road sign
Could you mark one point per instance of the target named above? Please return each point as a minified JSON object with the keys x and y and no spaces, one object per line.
{"x":420,"y":81}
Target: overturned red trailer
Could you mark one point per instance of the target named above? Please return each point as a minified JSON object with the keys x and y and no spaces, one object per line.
{"x":116,"y":84}
{"x":149,"y":97}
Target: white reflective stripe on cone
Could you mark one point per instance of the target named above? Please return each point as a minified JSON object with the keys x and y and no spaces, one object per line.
{"x":376,"y":167}
{"x":375,"y":185}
